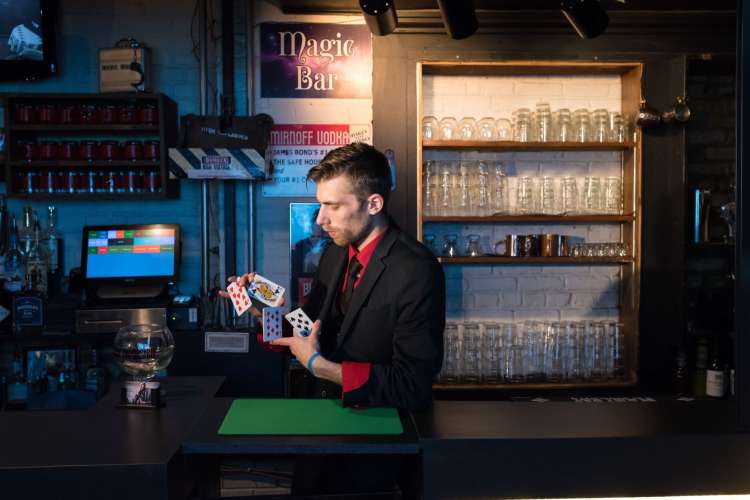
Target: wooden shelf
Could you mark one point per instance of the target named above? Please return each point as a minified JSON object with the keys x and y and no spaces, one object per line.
{"x":88,"y":196}
{"x":83,"y":163}
{"x":527,"y":146}
{"x":565,"y":219}
{"x":499,"y":259}
{"x":534,"y":385}
{"x":94,"y":127}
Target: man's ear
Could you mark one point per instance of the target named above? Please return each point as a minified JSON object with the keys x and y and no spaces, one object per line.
{"x":375,"y":203}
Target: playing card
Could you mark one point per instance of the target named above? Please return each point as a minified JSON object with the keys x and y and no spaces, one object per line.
{"x":271,"y":323}
{"x":240,"y":298}
{"x":300,"y":321}
{"x":265,"y":291}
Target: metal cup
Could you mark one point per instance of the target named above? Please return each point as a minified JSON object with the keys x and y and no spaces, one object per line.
{"x":532,"y":245}
{"x":514,"y":245}
{"x":549,"y":245}
{"x":563,"y":245}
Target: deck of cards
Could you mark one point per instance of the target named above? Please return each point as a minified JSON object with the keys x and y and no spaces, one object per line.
{"x":239,"y":297}
{"x":272,"y":323}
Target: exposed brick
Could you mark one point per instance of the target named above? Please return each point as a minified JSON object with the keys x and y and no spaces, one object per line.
{"x":558,"y":300}
{"x":538,"y":89}
{"x":533,"y":299}
{"x":534,"y":314}
{"x":541,"y":283}
{"x":497,"y":284}
{"x":510,"y":300}
{"x":591,"y":282}
{"x":485,"y":300}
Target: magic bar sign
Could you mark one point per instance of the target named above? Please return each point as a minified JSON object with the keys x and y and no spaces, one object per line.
{"x":306,"y":60}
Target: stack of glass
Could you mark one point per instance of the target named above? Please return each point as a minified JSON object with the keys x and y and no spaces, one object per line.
{"x":532,"y":351}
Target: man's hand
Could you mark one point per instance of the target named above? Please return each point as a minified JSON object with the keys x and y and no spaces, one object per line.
{"x":243,"y":281}
{"x":302,"y":347}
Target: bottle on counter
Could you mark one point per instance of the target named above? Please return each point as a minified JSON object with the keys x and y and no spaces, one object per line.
{"x":715,"y":375}
{"x":699,"y":370}
{"x":95,"y":379}
{"x":52,"y":241}
{"x":681,"y":378}
{"x":14,"y":267}
{"x":18,"y":389}
{"x":26,"y":231}
{"x":37,"y":265}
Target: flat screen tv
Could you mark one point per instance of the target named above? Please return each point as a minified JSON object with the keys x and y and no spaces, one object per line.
{"x":27,"y":39}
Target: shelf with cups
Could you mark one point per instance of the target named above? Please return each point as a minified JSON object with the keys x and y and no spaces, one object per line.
{"x":504,"y":259}
{"x":506,"y":164}
{"x":526,"y":146}
{"x":89,"y":146}
{"x":531,"y":218}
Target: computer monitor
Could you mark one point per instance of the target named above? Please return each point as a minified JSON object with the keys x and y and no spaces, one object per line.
{"x":130,"y":261}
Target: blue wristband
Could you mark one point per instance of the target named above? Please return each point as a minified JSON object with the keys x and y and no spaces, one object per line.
{"x":310,"y":362}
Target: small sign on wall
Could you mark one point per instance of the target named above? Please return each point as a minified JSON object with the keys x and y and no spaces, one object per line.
{"x":315,"y":60}
{"x":295,"y":149}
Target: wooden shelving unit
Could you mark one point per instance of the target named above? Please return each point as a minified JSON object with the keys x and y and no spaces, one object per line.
{"x":164,"y":130}
{"x":628,"y":154}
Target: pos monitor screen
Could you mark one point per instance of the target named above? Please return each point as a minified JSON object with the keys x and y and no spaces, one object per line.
{"x":124,"y":261}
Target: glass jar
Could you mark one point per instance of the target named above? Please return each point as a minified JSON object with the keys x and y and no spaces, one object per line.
{"x":430,"y":128}
{"x":467,"y":129}
{"x":448,"y":129}
{"x":473,"y":246}
{"x":450,"y":245}
{"x":486,"y":129}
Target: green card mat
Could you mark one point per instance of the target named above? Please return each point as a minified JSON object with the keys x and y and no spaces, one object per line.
{"x":307,"y":417}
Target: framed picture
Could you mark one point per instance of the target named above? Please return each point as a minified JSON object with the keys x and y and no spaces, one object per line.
{"x":307,"y":240}
{"x":48,"y":360}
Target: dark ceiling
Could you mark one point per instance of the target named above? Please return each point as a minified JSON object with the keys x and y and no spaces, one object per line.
{"x":352,"y":6}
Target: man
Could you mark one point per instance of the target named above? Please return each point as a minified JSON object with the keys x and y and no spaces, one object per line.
{"x":378,"y":295}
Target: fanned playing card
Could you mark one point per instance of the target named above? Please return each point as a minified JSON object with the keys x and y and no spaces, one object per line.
{"x":240,"y":298}
{"x":265,"y":291}
{"x":300,"y":321}
{"x":272,"y":323}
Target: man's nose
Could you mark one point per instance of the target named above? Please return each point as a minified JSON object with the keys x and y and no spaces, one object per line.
{"x":322,"y":219}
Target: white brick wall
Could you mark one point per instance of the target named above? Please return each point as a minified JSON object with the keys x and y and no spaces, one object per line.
{"x":562,"y":292}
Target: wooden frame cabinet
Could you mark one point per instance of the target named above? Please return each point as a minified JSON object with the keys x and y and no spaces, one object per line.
{"x":629,"y":221}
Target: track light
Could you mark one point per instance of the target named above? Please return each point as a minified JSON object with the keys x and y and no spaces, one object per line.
{"x":380,"y":16}
{"x":459,"y":17}
{"x":588,"y":17}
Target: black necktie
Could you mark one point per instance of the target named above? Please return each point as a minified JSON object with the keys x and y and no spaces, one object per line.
{"x":346,"y":297}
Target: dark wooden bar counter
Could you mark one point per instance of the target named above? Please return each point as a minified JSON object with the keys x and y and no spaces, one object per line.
{"x":468,"y":448}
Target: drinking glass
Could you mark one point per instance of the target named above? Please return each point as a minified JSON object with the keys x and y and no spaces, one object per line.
{"x":618,"y":127}
{"x":445,"y":205}
{"x":483,"y":190}
{"x":581,"y":125}
{"x":553,"y":352}
{"x":486,"y":129}
{"x":547,"y":195}
{"x":615,"y":349}
{"x":471,"y":344}
{"x":452,"y":355}
{"x":591,"y":194}
{"x":564,"y":126}
{"x":448,"y":129}
{"x":515,"y":366}
{"x":533,"y":343}
{"x":491,"y":353}
{"x":612,"y":195}
{"x":504,"y":130}
{"x":467,"y":129}
{"x":429,"y":187}
{"x":473,"y":246}
{"x":450,"y":245}
{"x":499,"y":196}
{"x":430,"y":126}
{"x":601,"y":125}
{"x":569,"y":195}
{"x":463,"y":191}
{"x":522,"y":125}
{"x":525,"y":195}
{"x":571,"y":357}
{"x":543,"y":122}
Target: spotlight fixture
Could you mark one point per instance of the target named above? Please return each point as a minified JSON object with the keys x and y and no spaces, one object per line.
{"x":459,"y":17}
{"x":588,"y":17}
{"x":380,"y":16}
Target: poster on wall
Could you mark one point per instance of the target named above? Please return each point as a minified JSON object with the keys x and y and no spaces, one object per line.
{"x":295,"y":149}
{"x":315,"y":60}
{"x":307,"y":240}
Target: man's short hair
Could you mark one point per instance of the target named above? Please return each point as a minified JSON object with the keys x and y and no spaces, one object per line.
{"x":366,"y":167}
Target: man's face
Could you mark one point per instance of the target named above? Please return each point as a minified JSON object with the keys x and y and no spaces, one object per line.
{"x":342,"y":215}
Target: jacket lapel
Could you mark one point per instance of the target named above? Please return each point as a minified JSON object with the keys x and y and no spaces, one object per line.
{"x":339,"y":268}
{"x":373,"y":271}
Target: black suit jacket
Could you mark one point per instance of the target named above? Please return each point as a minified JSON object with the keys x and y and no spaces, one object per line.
{"x":395,"y":320}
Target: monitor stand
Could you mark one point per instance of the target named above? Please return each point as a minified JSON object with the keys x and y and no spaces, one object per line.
{"x":125,"y":292}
